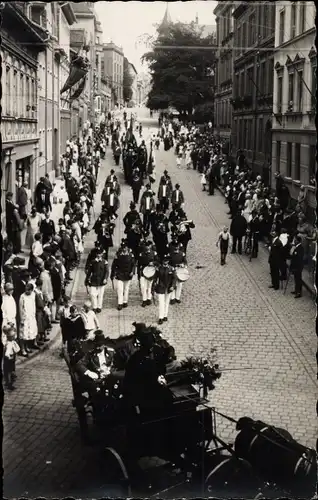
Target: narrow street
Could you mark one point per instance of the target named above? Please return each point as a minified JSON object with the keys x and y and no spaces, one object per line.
{"x":265,"y":342}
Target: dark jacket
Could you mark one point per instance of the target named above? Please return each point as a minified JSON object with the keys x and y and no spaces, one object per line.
{"x":238,"y":226}
{"x":275,"y":253}
{"x":123,"y":265}
{"x":297,"y":258}
{"x":74,"y":329}
{"x":67,"y":248}
{"x":130,"y":218}
{"x":160,"y":192}
{"x":47,"y":229}
{"x":97,"y":273}
{"x":177,"y":257}
{"x":143,"y":204}
{"x":90,"y":361}
{"x":145,"y":258}
{"x":165,"y":279}
{"x":173,"y":197}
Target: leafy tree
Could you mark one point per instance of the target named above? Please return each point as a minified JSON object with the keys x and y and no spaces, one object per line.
{"x":127,"y":82}
{"x":182,"y":68}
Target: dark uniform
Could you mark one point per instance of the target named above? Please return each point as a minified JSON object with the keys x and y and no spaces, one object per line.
{"x":296,"y":267}
{"x":275,"y":261}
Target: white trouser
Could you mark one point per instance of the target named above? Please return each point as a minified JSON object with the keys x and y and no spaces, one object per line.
{"x":176,"y":294}
{"x":96,"y":294}
{"x":163,"y":301}
{"x":145,"y":287}
{"x":122,"y":292}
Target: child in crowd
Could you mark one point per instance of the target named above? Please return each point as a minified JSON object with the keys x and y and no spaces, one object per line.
{"x":11,"y":349}
{"x":203,"y":181}
{"x":223,"y":240}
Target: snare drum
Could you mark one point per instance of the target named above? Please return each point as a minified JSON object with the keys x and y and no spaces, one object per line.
{"x":182,"y":274}
{"x":149,"y":272}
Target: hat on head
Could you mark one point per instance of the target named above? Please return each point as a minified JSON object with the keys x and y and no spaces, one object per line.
{"x":99,"y":338}
{"x":139,"y":327}
{"x":166,"y":257}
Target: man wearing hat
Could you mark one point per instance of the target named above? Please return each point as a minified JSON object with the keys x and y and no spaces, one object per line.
{"x":9,"y":307}
{"x":96,"y":278}
{"x":147,"y":206}
{"x":177,"y":198}
{"x":111,"y":202}
{"x":147,"y":256}
{"x":164,"y":283}
{"x":123,"y":268}
{"x":136,"y":183}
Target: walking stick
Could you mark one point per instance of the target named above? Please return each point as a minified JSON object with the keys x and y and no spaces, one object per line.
{"x":287,"y":281}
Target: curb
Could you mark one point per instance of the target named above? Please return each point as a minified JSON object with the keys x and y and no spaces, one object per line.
{"x":307,"y":285}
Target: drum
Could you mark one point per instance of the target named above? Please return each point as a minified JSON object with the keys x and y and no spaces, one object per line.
{"x":182,"y":274}
{"x":149,"y":272}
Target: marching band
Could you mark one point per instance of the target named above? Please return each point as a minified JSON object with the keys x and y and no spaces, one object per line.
{"x":160,"y":265}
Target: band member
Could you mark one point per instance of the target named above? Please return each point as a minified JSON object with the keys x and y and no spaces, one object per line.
{"x":274,"y":260}
{"x":134,"y":234}
{"x":104,"y":228}
{"x":177,"y":259}
{"x":177,"y":198}
{"x":123,"y":269}
{"x":237,"y":231}
{"x":174,"y":218}
{"x":111,"y":202}
{"x":160,"y":233}
{"x":116,"y":186}
{"x":110,"y":177}
{"x":184,"y":230}
{"x":147,"y":256}
{"x":131,"y":216}
{"x":164,"y":283}
{"x":166,"y":177}
{"x":96,"y":278}
{"x":164,"y":194}
{"x":296,"y":266}
{"x":147,"y":206}
{"x":223,"y":241}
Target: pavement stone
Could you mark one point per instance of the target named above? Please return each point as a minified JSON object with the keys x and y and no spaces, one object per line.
{"x":265,"y":343}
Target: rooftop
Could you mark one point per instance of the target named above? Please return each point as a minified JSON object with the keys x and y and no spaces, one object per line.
{"x":83,"y":8}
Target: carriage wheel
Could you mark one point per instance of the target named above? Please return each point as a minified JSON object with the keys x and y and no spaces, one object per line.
{"x":116,"y":473}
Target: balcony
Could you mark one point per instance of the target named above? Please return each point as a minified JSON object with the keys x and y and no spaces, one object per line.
{"x":18,"y":129}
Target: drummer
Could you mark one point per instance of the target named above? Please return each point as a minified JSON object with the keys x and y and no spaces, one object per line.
{"x":164,"y":283}
{"x":146,"y":269}
{"x":178,"y":260}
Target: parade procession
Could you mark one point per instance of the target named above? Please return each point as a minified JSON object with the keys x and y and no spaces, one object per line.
{"x":158,"y":305}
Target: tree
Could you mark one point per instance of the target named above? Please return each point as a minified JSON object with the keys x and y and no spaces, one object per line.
{"x":127,"y":81}
{"x":182,"y":68}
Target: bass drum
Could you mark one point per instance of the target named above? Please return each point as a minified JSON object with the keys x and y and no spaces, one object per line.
{"x":182,"y":274}
{"x":149,"y":272}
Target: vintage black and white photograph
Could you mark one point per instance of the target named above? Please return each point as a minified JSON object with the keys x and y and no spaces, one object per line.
{"x":159,"y":249}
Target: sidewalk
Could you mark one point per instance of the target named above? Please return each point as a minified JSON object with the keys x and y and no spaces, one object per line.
{"x":306,"y":276}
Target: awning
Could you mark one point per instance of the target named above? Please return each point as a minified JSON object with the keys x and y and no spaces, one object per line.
{"x":79,"y":69}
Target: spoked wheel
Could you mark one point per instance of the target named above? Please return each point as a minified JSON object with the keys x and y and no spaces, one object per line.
{"x":116,"y":476}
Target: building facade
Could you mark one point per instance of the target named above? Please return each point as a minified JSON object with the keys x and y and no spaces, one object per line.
{"x":252,"y":101}
{"x":133,"y":73}
{"x":224,"y":69}
{"x":66,"y":20}
{"x":113,"y":71}
{"x":295,"y":80}
{"x":22,"y":42}
{"x":84,"y":107}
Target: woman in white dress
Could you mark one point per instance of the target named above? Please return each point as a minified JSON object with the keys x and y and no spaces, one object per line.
{"x":248,"y":207}
{"x":33,"y":224}
{"x":28,"y":325}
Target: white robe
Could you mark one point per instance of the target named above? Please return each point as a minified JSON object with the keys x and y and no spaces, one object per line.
{"x":28,"y":327}
{"x":9,"y":310}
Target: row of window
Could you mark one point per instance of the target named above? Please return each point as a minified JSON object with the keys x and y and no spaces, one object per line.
{"x":20,"y":93}
{"x":260,"y":24}
{"x":293,"y":160}
{"x":225,"y":26}
{"x":247,"y":83}
{"x":225,"y":70}
{"x":223,"y":112}
{"x":245,"y":129}
{"x":296,"y":85}
{"x":297,"y":24}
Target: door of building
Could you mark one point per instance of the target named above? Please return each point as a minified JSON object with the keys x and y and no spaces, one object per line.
{"x":23,"y":170}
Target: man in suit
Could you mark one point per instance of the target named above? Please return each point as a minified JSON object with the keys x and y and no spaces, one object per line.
{"x":96,"y":278}
{"x":237,"y":231}
{"x":136,"y":184}
{"x":274,"y":260}
{"x":296,"y":266}
{"x":47,"y":228}
{"x":22,"y":200}
{"x":164,"y":194}
{"x":147,"y":206}
{"x":111,"y":202}
{"x":177,"y":198}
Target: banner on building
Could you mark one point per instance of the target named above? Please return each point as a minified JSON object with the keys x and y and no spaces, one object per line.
{"x":79,"y":89}
{"x":79,"y":69}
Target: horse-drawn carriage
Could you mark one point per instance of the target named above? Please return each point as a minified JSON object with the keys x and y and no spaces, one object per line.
{"x":181,"y":443}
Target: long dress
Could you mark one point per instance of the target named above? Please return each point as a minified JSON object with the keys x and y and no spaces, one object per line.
{"x":33,"y":227}
{"x":28,"y":327}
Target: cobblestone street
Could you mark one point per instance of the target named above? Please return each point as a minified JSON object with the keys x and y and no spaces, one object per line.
{"x":265,"y":342}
